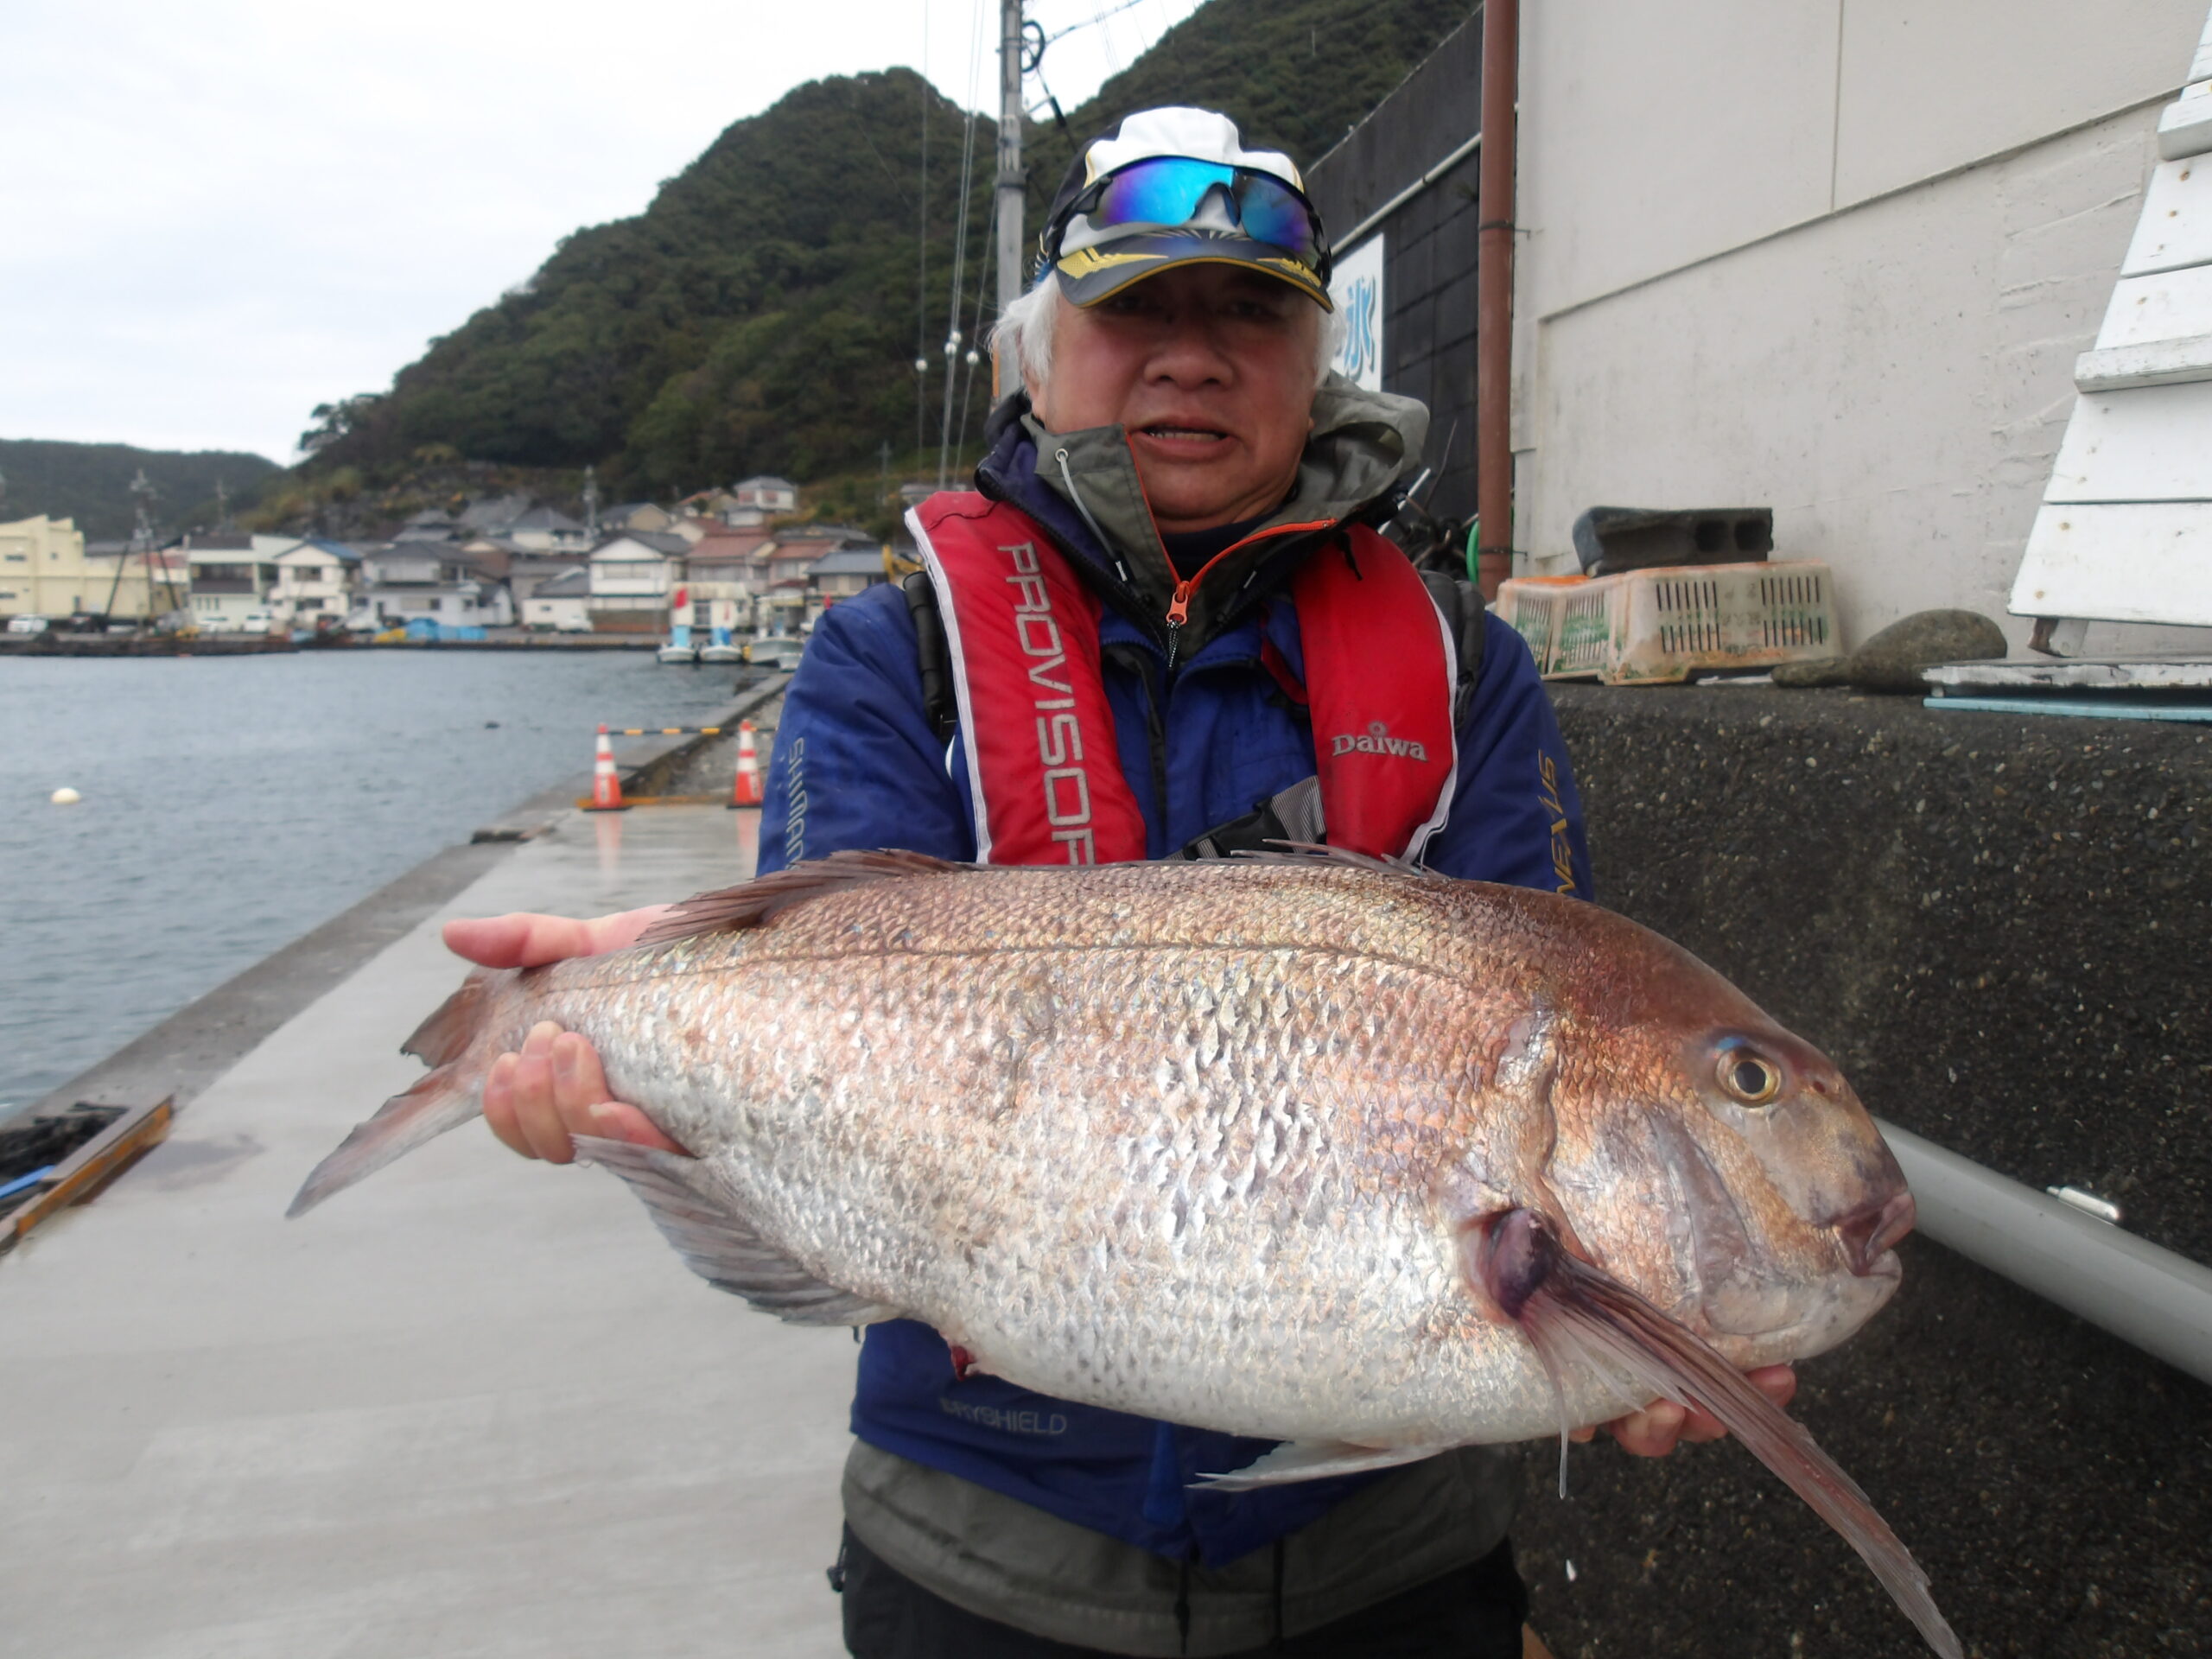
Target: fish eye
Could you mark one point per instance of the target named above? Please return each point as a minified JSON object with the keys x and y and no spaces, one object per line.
{"x":1749,"y":1076}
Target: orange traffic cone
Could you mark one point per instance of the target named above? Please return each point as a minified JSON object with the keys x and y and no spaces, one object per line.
{"x":746,"y":791}
{"x":606,"y":782}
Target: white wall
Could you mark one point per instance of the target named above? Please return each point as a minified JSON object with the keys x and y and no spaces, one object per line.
{"x":1834,"y":258}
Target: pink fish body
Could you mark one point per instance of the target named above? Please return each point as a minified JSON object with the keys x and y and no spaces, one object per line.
{"x":1368,"y":1162}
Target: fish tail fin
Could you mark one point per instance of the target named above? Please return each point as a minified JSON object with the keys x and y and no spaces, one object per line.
{"x":445,"y":1036}
{"x":448,"y":1096}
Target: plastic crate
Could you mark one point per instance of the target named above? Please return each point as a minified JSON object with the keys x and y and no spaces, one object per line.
{"x":1659,"y":626}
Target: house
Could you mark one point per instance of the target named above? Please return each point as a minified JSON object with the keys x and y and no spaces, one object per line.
{"x":543,"y":529}
{"x":637,"y":514}
{"x":756,"y":500}
{"x":431,"y":581}
{"x":725,"y":577}
{"x":234,"y":573}
{"x":315,"y":585}
{"x":430,"y":525}
{"x":492,"y":515}
{"x":561,"y":603}
{"x":527,"y":570}
{"x":707,"y":503}
{"x":47,"y":569}
{"x":631,"y":576}
{"x":845,"y":571}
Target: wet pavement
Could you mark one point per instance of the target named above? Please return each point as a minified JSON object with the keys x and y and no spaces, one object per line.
{"x":473,"y":1407}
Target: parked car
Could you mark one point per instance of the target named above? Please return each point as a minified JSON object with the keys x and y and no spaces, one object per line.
{"x":86,"y":622}
{"x":27,"y":624}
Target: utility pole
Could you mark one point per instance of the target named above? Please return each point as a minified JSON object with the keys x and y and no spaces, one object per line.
{"x":1010,"y":179}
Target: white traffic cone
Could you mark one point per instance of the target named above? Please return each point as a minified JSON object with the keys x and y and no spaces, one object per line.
{"x":746,"y":791}
{"x":606,"y":782}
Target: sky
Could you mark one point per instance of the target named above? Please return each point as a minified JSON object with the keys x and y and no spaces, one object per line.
{"x":217,"y":216}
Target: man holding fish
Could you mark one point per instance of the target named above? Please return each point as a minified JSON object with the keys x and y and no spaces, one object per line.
{"x":1161,"y":628}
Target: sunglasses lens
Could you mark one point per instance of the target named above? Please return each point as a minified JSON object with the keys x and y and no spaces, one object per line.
{"x":1271,"y":213}
{"x":1163,"y":192}
{"x":1168,"y":191}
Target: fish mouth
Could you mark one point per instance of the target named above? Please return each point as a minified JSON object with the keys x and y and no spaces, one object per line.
{"x":1750,"y":1302}
{"x":1869,"y":1231}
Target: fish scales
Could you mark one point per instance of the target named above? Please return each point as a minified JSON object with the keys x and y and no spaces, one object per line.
{"x":1365,"y":1161}
{"x":1185,"y":1136}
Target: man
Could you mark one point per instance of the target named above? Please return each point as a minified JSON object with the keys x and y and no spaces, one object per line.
{"x":1161,"y":628}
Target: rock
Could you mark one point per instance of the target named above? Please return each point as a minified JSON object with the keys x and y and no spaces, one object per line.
{"x":1892,"y":659}
{"x":1829,"y":671}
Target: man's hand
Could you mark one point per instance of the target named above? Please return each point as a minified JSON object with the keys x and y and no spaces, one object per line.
{"x":555,"y":1089}
{"x":1653,"y":1432}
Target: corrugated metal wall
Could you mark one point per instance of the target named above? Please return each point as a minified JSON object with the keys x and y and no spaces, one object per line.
{"x":1428,"y":285}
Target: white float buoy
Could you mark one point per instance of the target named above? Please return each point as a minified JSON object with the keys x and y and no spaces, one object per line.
{"x":66,"y":797}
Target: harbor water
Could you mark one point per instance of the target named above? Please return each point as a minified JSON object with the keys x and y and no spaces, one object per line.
{"x":230,"y":804}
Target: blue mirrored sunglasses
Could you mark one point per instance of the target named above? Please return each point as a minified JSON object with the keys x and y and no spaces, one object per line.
{"x":1168,"y":190}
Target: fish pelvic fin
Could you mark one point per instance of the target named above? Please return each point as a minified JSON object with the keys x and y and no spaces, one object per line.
{"x":692,"y":1203}
{"x":446,"y":1097}
{"x":751,"y":903}
{"x":1296,"y":1460}
{"x":1579,"y":1317}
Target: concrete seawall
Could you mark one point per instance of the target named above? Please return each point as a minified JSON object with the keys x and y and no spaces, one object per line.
{"x":473,"y":1407}
{"x":2001,"y":928}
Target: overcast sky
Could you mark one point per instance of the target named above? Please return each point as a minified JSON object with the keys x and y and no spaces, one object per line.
{"x":219,"y":215}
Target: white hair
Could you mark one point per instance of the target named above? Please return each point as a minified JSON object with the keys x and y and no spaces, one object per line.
{"x":1023,"y":335}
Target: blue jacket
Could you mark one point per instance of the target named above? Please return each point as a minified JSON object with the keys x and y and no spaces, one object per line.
{"x":857,"y":765}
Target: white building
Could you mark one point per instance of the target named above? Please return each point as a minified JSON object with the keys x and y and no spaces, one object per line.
{"x":316,"y":583}
{"x":1838,"y":258}
{"x":631,"y":578}
{"x":431,"y":581}
{"x":845,"y":572}
{"x":560,"y":604}
{"x":756,"y":500}
{"x":232,"y":575}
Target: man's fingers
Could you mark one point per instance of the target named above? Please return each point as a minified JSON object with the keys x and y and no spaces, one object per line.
{"x":620,"y":930}
{"x":525,"y":939}
{"x":612,"y":1120}
{"x":1778,"y":1382}
{"x":499,"y":1104}
{"x":537,"y":1111}
{"x":1652,"y":1431}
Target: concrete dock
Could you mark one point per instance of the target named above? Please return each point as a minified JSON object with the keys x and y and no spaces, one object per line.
{"x":473,"y":1406}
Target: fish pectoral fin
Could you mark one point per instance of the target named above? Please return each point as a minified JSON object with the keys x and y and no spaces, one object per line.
{"x":1295,"y":1461}
{"x":695,"y":1211}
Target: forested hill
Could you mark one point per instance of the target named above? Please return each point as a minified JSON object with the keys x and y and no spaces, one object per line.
{"x":761,"y":315}
{"x":91,"y":483}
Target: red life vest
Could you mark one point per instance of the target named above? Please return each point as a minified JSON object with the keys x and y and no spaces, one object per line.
{"x":1044,"y":769}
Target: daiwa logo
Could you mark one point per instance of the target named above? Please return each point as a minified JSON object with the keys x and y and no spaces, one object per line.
{"x":1376,"y":740}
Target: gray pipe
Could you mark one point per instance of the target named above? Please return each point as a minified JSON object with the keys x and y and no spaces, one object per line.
{"x":2159,"y":1301}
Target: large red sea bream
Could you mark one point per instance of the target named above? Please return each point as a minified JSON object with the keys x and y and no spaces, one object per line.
{"x":1368,"y":1162}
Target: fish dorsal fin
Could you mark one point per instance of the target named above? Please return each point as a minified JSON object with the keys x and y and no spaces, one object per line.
{"x":1296,"y":1460}
{"x":692,"y":1203}
{"x":751,"y":903}
{"x":1310,"y":854}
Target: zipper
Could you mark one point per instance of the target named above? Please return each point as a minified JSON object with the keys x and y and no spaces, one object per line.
{"x":1178,"y":604}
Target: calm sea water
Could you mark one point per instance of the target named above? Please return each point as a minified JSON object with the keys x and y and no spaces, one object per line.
{"x":231,"y":804}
